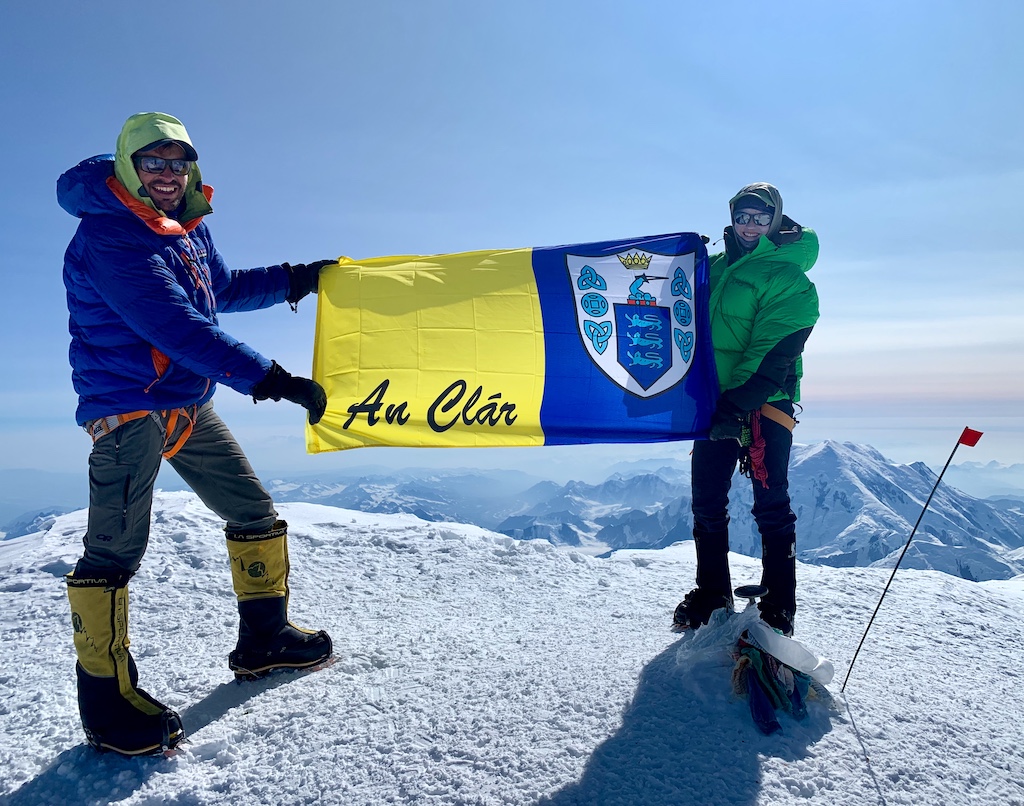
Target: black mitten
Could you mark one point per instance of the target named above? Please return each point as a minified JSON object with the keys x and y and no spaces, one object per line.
{"x":727,"y":422}
{"x":303,"y":278}
{"x":279,"y":384}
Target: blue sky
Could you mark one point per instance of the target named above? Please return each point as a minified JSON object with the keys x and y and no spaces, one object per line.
{"x":328,"y":128}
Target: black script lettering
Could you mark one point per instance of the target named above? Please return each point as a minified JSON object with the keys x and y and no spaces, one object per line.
{"x":432,"y":420}
{"x":488,"y":414}
{"x":397,"y":413}
{"x":372,"y":405}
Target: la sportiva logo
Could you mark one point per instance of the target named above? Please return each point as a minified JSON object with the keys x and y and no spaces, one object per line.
{"x":256,"y":570}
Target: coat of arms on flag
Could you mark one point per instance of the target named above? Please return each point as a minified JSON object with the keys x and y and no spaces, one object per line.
{"x":635,"y":315}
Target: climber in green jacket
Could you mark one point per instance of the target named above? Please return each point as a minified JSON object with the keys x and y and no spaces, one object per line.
{"x":762,"y":308}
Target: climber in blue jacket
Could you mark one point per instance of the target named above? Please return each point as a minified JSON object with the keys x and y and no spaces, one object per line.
{"x":145,"y":285}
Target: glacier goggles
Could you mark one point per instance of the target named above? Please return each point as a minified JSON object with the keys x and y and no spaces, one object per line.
{"x":156,"y":165}
{"x":761,"y":219}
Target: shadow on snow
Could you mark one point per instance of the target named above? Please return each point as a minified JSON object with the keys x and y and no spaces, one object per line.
{"x":686,"y":738}
{"x":83,"y":775}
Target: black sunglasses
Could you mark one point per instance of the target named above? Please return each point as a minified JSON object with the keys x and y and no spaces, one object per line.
{"x":156,"y":165}
{"x":761,"y":219}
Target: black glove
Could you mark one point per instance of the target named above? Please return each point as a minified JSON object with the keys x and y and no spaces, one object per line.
{"x":303,"y":278}
{"x":727,"y":422}
{"x":279,"y":384}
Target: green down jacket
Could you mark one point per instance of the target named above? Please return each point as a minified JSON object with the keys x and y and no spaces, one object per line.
{"x":760,"y":299}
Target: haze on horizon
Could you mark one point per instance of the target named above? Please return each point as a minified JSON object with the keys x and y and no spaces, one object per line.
{"x":386,"y":129}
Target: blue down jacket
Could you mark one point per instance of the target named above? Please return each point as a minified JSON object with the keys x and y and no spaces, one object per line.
{"x":144,"y":292}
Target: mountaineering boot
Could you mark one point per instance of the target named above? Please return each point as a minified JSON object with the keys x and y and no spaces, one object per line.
{"x":713,"y":560}
{"x":778,"y":618}
{"x":267,"y":641}
{"x":778,"y":560}
{"x":714,"y":584}
{"x":116,"y":714}
{"x":696,"y":608}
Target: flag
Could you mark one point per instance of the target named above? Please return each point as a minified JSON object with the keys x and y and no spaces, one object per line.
{"x":970,"y":437}
{"x":596,"y":342}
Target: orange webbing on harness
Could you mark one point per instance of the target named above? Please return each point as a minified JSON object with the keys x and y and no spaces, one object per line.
{"x":168,"y":419}
{"x":104,"y":425}
{"x":777,"y":416}
{"x":172,"y":419}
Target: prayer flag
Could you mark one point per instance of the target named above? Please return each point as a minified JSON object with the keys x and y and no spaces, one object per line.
{"x":595,"y":342}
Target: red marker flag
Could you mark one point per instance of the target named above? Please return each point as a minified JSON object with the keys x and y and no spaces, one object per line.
{"x":970,"y":437}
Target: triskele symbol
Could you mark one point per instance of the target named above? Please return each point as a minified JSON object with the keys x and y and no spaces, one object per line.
{"x":599,"y":333}
{"x":680,"y":286}
{"x":684,"y":341}
{"x":591,"y":279}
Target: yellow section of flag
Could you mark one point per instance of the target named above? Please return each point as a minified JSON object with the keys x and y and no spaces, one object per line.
{"x":446,"y":350}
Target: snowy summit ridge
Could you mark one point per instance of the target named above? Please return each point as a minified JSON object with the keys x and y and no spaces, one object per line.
{"x":477,"y":669}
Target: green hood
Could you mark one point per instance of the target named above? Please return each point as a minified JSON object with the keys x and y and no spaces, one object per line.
{"x":143,"y":129}
{"x":770,"y":195}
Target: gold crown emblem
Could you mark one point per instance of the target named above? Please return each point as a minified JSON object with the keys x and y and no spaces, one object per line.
{"x":635,"y":262}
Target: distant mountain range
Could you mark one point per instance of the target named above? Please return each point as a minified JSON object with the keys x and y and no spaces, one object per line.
{"x":987,"y":479}
{"x":854,"y":507}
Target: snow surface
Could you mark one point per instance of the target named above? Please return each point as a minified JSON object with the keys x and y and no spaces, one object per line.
{"x":476,"y":669}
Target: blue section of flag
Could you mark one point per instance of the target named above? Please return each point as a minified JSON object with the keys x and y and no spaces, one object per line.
{"x":581,"y":403}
